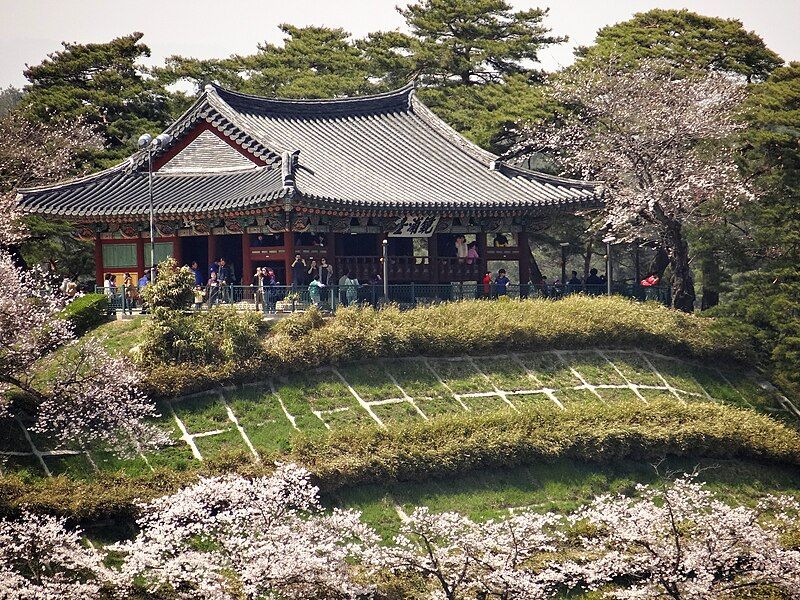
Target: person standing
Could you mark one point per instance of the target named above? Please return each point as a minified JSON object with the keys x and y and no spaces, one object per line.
{"x":594,"y":284}
{"x":199,"y":297}
{"x":343,"y":289}
{"x":325,"y":272}
{"x":213,"y":268}
{"x":314,"y":291}
{"x":298,"y":271}
{"x":131,"y":294}
{"x":502,"y":283}
{"x":198,"y":276}
{"x":313,"y":269}
{"x":260,"y":284}
{"x":487,"y":284}
{"x":461,"y":246}
{"x":352,"y":288}
{"x":271,"y":294}
{"x":213,"y":290}
{"x":224,"y":281}
{"x":472,"y":253}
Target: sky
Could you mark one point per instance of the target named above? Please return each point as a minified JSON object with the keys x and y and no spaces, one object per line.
{"x":30,"y":29}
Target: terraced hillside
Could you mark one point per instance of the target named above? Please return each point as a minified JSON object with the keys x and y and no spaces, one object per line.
{"x":260,"y":418}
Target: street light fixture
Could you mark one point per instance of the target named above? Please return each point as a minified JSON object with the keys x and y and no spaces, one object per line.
{"x":150,"y":144}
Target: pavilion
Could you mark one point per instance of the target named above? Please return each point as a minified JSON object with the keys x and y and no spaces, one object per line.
{"x":259,"y":180}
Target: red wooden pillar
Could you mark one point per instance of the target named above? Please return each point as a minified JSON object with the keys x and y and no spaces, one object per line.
{"x":288,"y":240}
{"x":524,"y":257}
{"x":140,"y":257}
{"x":177,"y":251}
{"x":98,"y":259}
{"x":247,"y":261}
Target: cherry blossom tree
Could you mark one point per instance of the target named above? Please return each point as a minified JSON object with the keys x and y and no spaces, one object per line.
{"x":40,"y":559}
{"x":231,"y":537}
{"x":460,"y":558}
{"x":96,"y":399}
{"x":34,"y":153}
{"x":680,"y":542}
{"x":92,"y":398}
{"x":658,"y":143}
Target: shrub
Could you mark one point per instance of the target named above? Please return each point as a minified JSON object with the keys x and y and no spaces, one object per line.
{"x":480,"y":327}
{"x":173,"y":289}
{"x":87,"y":312}
{"x":476,"y":327}
{"x":444,"y":447}
{"x":301,"y":323}
{"x":598,"y":433}
{"x":206,"y":338}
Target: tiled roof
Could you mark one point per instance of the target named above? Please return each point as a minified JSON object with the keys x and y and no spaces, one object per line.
{"x":206,"y":153}
{"x":390,"y":150}
{"x":384,"y":152}
{"x":119,"y":192}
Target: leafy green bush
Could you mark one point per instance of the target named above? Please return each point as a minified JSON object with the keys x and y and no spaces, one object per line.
{"x":766,"y":305}
{"x":206,"y":338}
{"x":173,"y":289}
{"x":300,"y":323}
{"x":476,"y":327}
{"x":598,"y":433}
{"x":480,"y":327}
{"x":87,"y":312}
{"x":446,"y":446}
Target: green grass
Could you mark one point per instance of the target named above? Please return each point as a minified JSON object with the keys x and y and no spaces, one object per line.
{"x":119,"y":337}
{"x":396,"y":391}
{"x":560,"y":486}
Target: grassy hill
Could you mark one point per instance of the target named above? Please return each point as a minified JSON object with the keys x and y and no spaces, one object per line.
{"x":554,"y":402}
{"x":260,"y":418}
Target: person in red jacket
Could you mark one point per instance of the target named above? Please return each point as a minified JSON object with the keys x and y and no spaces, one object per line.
{"x":650,"y":280}
{"x":487,"y":283}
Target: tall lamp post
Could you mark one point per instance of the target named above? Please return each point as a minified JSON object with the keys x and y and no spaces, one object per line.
{"x":150,"y":144}
{"x":385,"y":244}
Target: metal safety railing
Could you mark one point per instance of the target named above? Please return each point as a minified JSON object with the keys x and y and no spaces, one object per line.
{"x":291,"y":298}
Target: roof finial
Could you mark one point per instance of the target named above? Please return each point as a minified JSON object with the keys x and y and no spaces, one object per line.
{"x":209,"y":89}
{"x":288,"y":164}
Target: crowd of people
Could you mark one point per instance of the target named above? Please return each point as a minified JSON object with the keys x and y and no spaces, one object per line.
{"x":266,"y":290}
{"x":129,"y":290}
{"x":220,"y":284}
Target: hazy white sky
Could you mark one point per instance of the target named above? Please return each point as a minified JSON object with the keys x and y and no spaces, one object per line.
{"x":30,"y":29}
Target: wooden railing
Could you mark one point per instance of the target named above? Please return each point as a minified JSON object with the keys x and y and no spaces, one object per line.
{"x":410,"y":268}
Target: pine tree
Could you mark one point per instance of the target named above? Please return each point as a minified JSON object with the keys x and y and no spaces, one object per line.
{"x":684,"y":38}
{"x":102,"y":85}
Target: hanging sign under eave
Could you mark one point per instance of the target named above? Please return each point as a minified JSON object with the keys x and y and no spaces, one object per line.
{"x":415,"y":226}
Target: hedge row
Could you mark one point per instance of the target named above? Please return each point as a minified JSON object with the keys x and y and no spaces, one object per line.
{"x":306,"y":341}
{"x":87,"y":312}
{"x":596,"y":433}
{"x":446,"y":446}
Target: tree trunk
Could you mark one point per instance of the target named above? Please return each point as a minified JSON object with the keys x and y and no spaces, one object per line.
{"x":711,"y":282}
{"x":683,"y":295}
{"x":659,"y":263}
{"x":710,"y":299}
